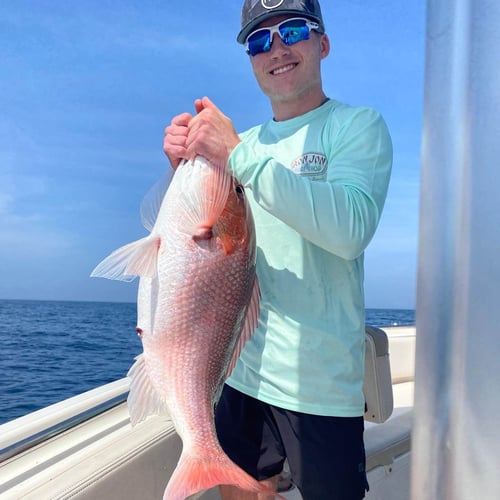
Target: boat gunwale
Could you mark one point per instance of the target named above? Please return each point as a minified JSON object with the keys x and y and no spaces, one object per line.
{"x":26,"y":432}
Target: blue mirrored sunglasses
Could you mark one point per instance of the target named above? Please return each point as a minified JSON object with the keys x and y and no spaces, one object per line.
{"x":290,"y":31}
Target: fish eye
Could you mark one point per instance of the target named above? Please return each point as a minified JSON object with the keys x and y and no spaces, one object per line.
{"x":240,"y":191}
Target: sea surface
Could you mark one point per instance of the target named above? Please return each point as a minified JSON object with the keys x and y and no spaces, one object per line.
{"x":52,"y":350}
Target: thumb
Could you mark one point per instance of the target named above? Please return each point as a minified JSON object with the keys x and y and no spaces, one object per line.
{"x":198,"y":105}
{"x":204,"y":103}
{"x":207,"y":103}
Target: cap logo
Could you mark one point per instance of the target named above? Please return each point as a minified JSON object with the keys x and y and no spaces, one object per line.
{"x":271,"y":4}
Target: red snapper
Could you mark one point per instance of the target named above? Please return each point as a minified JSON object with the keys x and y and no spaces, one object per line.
{"x":198,"y":303}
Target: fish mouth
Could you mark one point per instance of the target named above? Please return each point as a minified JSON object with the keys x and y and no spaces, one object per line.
{"x":283,"y":69}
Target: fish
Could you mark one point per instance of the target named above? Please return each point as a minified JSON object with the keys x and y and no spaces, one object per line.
{"x":197,"y":305}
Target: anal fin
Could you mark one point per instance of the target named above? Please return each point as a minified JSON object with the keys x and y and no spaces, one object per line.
{"x":143,"y":400}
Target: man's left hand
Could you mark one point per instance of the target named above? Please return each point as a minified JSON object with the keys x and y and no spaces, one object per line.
{"x":211,"y":133}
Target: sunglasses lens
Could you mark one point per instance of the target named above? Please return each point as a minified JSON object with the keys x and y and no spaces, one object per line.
{"x":258,"y":42}
{"x":291,"y":32}
{"x":294,"y":31}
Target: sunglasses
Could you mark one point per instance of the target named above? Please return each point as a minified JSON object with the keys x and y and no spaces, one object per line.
{"x":290,"y":31}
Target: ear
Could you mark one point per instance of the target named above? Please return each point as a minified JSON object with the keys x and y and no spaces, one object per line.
{"x":324,"y":46}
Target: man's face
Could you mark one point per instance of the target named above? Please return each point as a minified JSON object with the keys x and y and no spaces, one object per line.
{"x":289,"y":72}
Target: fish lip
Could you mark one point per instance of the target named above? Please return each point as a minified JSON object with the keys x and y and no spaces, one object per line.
{"x":281,"y":66}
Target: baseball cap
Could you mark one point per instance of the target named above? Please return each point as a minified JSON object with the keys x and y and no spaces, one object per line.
{"x":256,"y":11}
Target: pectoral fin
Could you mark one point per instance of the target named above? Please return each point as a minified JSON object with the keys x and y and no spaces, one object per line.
{"x":138,"y":258}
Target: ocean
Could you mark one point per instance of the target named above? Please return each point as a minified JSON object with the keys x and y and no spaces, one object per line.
{"x":53,"y":350}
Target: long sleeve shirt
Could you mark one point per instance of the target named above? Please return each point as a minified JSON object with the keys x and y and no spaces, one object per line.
{"x":316,"y":185}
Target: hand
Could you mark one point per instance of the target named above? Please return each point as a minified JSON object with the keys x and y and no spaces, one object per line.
{"x":211,"y":133}
{"x":174,"y":143}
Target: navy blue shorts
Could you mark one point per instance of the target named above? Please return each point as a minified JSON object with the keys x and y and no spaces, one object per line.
{"x":326,"y":455}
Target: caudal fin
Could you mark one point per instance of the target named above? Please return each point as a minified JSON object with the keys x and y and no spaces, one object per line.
{"x":195,"y":474}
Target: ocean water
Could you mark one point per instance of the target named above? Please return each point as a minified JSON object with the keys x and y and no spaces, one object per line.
{"x":52,"y":350}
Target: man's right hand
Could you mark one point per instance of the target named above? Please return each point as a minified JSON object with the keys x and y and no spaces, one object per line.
{"x":174,"y":143}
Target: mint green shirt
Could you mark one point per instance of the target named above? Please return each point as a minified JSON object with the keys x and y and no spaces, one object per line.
{"x":316,"y":185}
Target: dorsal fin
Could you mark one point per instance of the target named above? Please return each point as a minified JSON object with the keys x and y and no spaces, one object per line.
{"x":150,"y":206}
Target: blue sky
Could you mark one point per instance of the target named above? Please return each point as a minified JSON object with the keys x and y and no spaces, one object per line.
{"x":87,"y":88}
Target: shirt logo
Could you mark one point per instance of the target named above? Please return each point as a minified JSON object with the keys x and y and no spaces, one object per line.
{"x":271,"y":4}
{"x":312,"y":165}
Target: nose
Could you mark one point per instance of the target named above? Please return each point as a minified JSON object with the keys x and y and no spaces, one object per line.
{"x":277,"y":45}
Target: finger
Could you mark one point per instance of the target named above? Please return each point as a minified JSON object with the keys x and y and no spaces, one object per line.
{"x":174,"y":140}
{"x":207,"y":103}
{"x":182,"y":120}
{"x":198,"y":105}
{"x":175,"y":154}
{"x":176,"y":130}
{"x":199,"y":121}
{"x":204,"y":103}
{"x":193,"y":150}
{"x":174,"y":147}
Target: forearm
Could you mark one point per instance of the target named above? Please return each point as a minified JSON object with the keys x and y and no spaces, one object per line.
{"x":338,"y":217}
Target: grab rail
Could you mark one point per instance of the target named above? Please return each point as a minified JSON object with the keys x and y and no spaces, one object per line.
{"x":30,"y":430}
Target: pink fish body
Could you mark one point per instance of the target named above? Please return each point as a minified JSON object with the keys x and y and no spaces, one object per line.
{"x":198,"y":302}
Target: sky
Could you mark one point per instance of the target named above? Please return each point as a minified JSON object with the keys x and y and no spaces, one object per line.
{"x":87,"y":88}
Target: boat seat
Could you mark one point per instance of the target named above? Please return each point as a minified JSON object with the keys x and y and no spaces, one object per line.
{"x":388,"y":444}
{"x":377,"y":384}
{"x":385,"y":442}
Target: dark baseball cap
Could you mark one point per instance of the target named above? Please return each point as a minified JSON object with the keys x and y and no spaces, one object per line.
{"x":256,"y":11}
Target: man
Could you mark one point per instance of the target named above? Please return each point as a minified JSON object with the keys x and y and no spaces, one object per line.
{"x":316,"y":176}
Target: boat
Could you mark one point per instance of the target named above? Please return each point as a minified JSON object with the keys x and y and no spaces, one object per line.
{"x":85,"y":448}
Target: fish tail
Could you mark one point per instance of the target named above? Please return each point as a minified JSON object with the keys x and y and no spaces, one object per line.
{"x":195,"y":474}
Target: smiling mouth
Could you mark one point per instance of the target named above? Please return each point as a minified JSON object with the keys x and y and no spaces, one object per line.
{"x":283,"y":69}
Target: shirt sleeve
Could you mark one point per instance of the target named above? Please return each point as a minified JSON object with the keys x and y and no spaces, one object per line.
{"x":341,"y":214}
